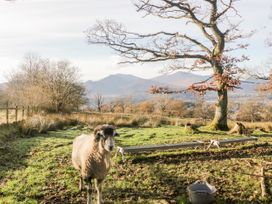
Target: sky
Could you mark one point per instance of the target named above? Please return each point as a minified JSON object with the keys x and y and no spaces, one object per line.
{"x":55,"y":29}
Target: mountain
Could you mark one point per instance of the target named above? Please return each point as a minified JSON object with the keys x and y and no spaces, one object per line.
{"x":180,"y":79}
{"x":120,"y":85}
{"x":247,"y":89}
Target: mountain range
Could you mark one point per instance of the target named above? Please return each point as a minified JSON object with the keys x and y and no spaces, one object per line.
{"x":124,"y":85}
{"x":121,"y":85}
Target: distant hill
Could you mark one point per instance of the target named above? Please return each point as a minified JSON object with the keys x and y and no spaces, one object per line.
{"x":180,"y":79}
{"x":120,"y":85}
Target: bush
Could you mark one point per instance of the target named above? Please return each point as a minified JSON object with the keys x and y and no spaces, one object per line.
{"x":123,"y":120}
{"x":42,"y":124}
{"x":7,"y":132}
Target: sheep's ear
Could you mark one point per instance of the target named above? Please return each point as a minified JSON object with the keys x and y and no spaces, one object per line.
{"x":116,"y":134}
{"x":98,"y":136}
{"x":97,"y":129}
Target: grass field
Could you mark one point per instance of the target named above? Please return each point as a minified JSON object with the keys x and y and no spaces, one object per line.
{"x":38,"y":169}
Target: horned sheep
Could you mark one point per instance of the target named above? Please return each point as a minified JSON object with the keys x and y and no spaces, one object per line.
{"x":91,"y":156}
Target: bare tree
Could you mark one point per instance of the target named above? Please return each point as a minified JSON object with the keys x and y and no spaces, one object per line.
{"x":123,"y":104}
{"x":3,"y":97}
{"x":161,"y":102}
{"x":250,"y":111}
{"x":146,"y":107}
{"x":98,"y":102}
{"x":45,"y":84}
{"x":266,"y":72}
{"x":207,"y":51}
{"x":62,"y":86}
{"x":110,"y":106}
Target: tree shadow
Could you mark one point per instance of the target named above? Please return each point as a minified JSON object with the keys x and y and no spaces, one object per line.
{"x":167,"y":186}
{"x":244,"y":152}
{"x":262,"y":135}
{"x":13,"y":155}
{"x":211,"y":133}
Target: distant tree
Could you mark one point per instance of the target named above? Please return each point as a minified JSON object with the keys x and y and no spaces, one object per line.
{"x":161,"y":102}
{"x":177,"y":108}
{"x":110,"y":106}
{"x":267,"y":75}
{"x":146,"y":107}
{"x":123,"y":104}
{"x":3,"y":98}
{"x":98,"y":102}
{"x":46,"y":84}
{"x":267,"y":112}
{"x":250,"y":111}
{"x":207,"y":49}
{"x":202,"y":109}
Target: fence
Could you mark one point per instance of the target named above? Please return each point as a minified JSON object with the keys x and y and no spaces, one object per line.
{"x":9,"y":114}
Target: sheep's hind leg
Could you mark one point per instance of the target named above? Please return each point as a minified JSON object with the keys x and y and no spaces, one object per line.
{"x":89,"y":192}
{"x":98,"y":186}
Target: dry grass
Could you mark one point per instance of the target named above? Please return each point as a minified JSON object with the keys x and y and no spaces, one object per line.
{"x":42,"y":124}
{"x":266,"y":126}
{"x":12,"y":117}
{"x":133,"y":120}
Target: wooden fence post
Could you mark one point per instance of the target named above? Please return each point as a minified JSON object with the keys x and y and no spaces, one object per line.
{"x":7,"y":113}
{"x":28,"y":113}
{"x":23,"y":112}
{"x":16,"y":113}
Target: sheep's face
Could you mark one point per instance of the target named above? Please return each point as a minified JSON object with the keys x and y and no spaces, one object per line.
{"x":109,"y":144}
{"x":105,"y":134}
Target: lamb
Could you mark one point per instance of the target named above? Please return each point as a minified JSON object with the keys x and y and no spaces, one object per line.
{"x":91,"y":156}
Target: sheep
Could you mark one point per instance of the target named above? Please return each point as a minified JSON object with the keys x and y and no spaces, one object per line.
{"x":91,"y":156}
{"x":238,"y":128}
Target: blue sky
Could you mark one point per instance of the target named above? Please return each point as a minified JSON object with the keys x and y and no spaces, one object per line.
{"x":55,"y":29}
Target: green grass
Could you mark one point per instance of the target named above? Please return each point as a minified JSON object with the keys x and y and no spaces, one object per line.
{"x":39,"y":170}
{"x":166,"y":135}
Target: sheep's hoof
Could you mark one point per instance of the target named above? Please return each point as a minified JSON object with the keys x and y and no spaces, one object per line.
{"x":100,"y":202}
{"x":81,"y":187}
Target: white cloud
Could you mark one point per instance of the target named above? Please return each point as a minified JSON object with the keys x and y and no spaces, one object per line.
{"x":55,"y":29}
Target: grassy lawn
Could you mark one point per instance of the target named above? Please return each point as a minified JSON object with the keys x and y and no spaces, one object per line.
{"x":38,"y":169}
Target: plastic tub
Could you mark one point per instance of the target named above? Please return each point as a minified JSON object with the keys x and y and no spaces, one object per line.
{"x":201,"y":192}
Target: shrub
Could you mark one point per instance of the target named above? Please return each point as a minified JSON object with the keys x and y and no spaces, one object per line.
{"x":7,"y":132}
{"x":42,"y":124}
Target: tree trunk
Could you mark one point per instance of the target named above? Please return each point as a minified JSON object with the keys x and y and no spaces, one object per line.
{"x":221,"y":108}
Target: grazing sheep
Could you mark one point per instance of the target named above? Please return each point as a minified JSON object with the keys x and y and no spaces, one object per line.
{"x":91,"y":156}
{"x":238,"y":128}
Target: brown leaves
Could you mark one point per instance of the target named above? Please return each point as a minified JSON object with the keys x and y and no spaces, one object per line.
{"x":217,"y":82}
{"x":163,"y":90}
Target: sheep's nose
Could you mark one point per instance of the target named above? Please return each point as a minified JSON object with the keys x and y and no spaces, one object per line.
{"x":111,"y":148}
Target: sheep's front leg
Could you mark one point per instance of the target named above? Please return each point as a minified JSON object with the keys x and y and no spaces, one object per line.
{"x":98,"y":186}
{"x":89,"y":192}
{"x":80,"y":183}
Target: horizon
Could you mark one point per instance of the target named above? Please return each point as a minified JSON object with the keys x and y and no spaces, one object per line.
{"x":55,"y":30}
{"x":149,"y":78}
